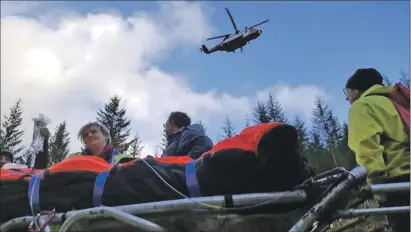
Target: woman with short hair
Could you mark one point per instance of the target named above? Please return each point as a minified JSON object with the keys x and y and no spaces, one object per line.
{"x":97,"y":140}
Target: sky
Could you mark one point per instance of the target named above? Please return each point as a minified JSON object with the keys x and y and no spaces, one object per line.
{"x":66,"y":59}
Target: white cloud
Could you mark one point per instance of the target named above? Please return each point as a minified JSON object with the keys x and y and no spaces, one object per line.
{"x":67,"y":67}
{"x":70,"y":70}
{"x":298,"y":99}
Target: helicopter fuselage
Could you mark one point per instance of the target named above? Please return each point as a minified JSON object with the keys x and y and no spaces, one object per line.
{"x":235,"y":41}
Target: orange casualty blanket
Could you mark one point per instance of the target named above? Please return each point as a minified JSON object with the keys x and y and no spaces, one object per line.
{"x":262,"y":158}
{"x":247,"y":140}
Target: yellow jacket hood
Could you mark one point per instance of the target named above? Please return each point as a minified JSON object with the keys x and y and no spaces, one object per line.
{"x":378,"y":90}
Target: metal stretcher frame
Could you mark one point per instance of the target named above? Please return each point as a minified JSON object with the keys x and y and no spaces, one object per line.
{"x":126,"y":214}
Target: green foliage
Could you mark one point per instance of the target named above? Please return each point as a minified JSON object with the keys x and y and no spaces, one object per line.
{"x":405,"y":79}
{"x":326,"y":126}
{"x":324,"y":144}
{"x":160,"y":148}
{"x":114,"y":118}
{"x":260,"y":113}
{"x":247,"y":121}
{"x":386,"y":81}
{"x":228,"y":129}
{"x":59,"y":144}
{"x":275,"y":110}
{"x":136,"y":146}
{"x":302,"y":134}
{"x":10,"y":132}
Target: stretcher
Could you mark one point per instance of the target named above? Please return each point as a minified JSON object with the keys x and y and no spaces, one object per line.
{"x":311,"y":206}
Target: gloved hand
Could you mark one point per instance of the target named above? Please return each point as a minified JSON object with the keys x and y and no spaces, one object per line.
{"x":45,"y":132}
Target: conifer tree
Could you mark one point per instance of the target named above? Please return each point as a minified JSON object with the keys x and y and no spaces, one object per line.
{"x":386,"y":80}
{"x":405,"y":79}
{"x":114,"y":118}
{"x":136,"y":146}
{"x":25,"y":158}
{"x":247,"y":121}
{"x":347,"y":156}
{"x":10,"y":132}
{"x":260,"y":113}
{"x":303,"y":139}
{"x":326,"y":126}
{"x":160,"y":148}
{"x":59,"y":144}
{"x":228,"y":129}
{"x":275,"y":110}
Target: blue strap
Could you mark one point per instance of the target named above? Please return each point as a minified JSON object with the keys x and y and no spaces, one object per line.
{"x":34,"y":196}
{"x":99,"y":188}
{"x":191,"y":180}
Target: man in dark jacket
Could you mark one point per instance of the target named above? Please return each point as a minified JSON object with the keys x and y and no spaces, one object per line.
{"x":184,"y":139}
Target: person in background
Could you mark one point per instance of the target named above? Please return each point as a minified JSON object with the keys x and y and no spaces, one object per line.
{"x":6,"y":156}
{"x":184,"y":138}
{"x":97,"y":140}
{"x":42,"y":158}
{"x":376,"y":135}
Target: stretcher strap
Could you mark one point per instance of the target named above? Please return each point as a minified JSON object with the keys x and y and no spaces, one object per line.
{"x":34,"y":195}
{"x":99,"y":187}
{"x":191,"y":179}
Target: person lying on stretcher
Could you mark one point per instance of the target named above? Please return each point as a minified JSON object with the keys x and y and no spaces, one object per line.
{"x":96,"y":137}
{"x":41,"y":161}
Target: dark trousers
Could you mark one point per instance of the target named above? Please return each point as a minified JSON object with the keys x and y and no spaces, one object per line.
{"x":399,"y":222}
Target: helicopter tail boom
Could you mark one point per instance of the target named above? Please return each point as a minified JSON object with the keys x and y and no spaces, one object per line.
{"x":204,"y":49}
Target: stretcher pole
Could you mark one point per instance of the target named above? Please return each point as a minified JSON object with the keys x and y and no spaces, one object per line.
{"x":389,"y":188}
{"x":108,"y":212}
{"x":350,"y":213}
{"x":287,"y":197}
{"x":181,"y":205}
{"x":307,"y":221}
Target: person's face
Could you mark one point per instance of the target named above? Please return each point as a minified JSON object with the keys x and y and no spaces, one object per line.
{"x":4,"y":160}
{"x":351,"y":95}
{"x":94,"y":138}
{"x":170,"y":127}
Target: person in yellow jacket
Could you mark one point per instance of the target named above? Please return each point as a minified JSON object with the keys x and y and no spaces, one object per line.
{"x":378,"y":138}
{"x":96,"y":137}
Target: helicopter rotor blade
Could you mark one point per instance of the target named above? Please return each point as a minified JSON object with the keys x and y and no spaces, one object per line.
{"x":218,"y":37}
{"x":258,"y":24}
{"x":232,"y":20}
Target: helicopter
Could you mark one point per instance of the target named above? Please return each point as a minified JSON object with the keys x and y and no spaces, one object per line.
{"x":236,"y":40}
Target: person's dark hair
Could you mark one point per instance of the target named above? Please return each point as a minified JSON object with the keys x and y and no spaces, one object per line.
{"x":7,"y":152}
{"x":364,"y":78}
{"x":180,"y":119}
